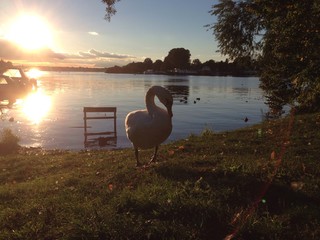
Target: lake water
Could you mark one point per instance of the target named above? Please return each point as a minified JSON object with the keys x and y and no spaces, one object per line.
{"x":52,"y":118}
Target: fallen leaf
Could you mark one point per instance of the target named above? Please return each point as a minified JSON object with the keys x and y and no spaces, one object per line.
{"x":181,"y":147}
{"x":297,"y":185}
{"x":273,"y":155}
{"x":170,"y":153}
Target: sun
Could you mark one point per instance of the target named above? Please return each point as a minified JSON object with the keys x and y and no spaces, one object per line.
{"x":31,"y":32}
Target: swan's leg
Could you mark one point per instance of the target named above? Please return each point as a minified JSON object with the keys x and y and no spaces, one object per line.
{"x":154,"y":157}
{"x":136,"y":153}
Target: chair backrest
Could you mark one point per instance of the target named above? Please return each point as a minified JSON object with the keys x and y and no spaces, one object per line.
{"x":89,"y":114}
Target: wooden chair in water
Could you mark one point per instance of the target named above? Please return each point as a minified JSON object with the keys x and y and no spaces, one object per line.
{"x":90,"y":113}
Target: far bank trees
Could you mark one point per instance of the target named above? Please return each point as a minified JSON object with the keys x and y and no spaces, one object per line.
{"x":178,"y":62}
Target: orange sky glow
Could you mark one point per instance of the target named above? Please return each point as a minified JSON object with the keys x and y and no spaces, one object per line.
{"x":75,"y":33}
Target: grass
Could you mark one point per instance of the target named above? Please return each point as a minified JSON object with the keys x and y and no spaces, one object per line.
{"x":260,"y":182}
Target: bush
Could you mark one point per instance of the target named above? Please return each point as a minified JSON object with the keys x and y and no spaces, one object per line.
{"x":8,"y":142}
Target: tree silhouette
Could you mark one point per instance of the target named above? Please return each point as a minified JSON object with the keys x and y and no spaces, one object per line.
{"x":110,"y":9}
{"x":178,"y":58}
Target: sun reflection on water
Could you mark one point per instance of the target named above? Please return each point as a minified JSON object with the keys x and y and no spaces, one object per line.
{"x":36,"y":106}
{"x":35,"y":73}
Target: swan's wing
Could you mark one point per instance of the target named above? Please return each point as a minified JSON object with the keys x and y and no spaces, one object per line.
{"x":136,"y":118}
{"x":146,"y":131}
{"x":136,"y":124}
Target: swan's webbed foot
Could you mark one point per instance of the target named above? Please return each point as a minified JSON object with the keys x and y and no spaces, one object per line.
{"x":154,"y":157}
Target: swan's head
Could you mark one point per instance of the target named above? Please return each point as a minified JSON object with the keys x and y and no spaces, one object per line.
{"x":165,"y":98}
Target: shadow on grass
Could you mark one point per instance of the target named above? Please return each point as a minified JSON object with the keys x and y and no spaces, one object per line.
{"x":237,"y":190}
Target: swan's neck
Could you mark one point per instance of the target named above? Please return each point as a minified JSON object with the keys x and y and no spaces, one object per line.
{"x":151,"y":106}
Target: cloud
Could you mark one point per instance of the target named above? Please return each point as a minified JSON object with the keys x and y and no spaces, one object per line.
{"x":97,"y":55}
{"x":86,"y":55}
{"x":96,"y":58}
{"x":109,"y":55}
{"x":93,"y":33}
{"x":11,"y":51}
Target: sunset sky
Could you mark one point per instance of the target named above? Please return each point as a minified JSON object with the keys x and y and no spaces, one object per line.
{"x":75,"y":33}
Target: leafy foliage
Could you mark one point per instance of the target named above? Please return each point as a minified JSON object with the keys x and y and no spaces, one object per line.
{"x":178,"y":58}
{"x":284,"y":36}
{"x":110,"y":9}
{"x":4,"y":65}
{"x":8,"y":142}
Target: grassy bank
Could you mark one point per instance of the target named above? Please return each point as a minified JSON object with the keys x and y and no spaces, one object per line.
{"x":260,"y":182}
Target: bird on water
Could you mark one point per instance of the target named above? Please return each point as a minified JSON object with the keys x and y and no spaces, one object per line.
{"x":150,"y":127}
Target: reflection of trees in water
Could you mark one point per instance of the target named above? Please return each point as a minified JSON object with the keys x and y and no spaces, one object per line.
{"x":179,"y":92}
{"x":240,"y":90}
{"x":178,"y":80}
{"x":179,"y":88}
{"x":241,"y":93}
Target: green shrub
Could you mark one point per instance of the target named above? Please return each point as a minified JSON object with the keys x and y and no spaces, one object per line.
{"x":8,"y":142}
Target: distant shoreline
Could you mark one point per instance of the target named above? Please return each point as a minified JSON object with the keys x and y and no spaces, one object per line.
{"x":104,"y":70}
{"x":70,"y":69}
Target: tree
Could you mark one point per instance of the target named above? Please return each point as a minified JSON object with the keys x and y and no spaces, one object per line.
{"x":157,"y":65}
{"x":178,"y":58}
{"x":110,"y":9}
{"x":196,"y":64}
{"x":148,"y":63}
{"x":244,"y":65}
{"x":4,"y":66}
{"x":284,"y":36}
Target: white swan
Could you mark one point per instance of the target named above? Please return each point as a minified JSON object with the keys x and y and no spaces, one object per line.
{"x":150,"y":127}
